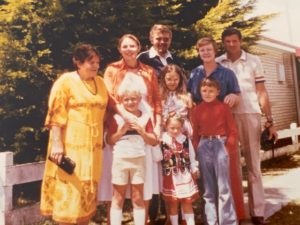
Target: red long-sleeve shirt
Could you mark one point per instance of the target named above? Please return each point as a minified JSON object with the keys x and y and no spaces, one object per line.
{"x":214,"y":118}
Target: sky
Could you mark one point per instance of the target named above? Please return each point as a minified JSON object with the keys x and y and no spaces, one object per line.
{"x":286,"y":25}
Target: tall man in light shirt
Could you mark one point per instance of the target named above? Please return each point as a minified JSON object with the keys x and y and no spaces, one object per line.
{"x":254,"y":98}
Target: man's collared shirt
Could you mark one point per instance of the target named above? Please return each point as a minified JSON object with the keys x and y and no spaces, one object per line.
{"x":151,"y":58}
{"x":249,"y":71}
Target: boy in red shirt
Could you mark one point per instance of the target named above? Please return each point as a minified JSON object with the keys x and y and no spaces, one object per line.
{"x":214,"y":133}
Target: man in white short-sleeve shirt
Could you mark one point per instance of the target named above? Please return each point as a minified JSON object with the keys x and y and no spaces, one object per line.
{"x":254,"y":98}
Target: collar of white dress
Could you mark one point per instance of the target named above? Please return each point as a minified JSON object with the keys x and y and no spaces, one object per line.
{"x":168,"y":139}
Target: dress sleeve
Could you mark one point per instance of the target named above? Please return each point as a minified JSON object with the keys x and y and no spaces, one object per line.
{"x":156,"y":94}
{"x":57,"y":105}
{"x":113,"y":126}
{"x":108,"y":79}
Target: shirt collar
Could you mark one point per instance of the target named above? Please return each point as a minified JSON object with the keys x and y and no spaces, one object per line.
{"x":242,"y":57}
{"x":168,"y":139}
{"x":153,"y":53}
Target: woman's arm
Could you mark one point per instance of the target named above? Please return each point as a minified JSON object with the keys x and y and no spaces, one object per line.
{"x":57,"y":147}
{"x":113,"y":134}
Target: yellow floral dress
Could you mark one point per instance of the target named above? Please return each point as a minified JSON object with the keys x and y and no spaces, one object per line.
{"x":79,"y":111}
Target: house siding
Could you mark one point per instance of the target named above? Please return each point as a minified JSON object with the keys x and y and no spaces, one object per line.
{"x":281,"y":93}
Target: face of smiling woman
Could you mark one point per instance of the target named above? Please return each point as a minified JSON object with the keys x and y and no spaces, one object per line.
{"x":207,"y":53}
{"x":129,"y":49}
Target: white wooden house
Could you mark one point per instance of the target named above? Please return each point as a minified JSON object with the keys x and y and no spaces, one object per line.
{"x":282,"y":72}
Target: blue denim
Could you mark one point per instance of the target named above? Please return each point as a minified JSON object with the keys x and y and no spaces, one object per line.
{"x":214,"y":167}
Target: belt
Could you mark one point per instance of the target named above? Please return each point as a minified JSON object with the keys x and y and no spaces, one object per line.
{"x":211,"y":137}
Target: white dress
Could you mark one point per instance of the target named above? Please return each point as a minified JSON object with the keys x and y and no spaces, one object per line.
{"x":105,"y":187}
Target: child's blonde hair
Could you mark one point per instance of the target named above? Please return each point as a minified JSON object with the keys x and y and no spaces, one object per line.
{"x":132,"y":83}
{"x":176,"y":117}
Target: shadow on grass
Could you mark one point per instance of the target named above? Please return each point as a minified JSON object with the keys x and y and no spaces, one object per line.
{"x":281,"y":164}
{"x":288,"y":215}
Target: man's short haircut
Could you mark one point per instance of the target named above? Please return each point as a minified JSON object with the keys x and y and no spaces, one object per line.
{"x":206,"y":41}
{"x":210,"y":82}
{"x":160,"y":28}
{"x":231,"y":31}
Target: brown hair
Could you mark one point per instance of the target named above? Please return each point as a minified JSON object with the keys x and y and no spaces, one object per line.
{"x":160,"y":28}
{"x":130,"y":36}
{"x":181,"y":89}
{"x":84,"y":52}
{"x":206,"y":41}
{"x":210,"y":82}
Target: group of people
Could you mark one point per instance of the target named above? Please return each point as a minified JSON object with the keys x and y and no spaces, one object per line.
{"x":144,"y":131}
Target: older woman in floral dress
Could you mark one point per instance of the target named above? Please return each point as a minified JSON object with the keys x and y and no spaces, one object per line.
{"x":77,"y":105}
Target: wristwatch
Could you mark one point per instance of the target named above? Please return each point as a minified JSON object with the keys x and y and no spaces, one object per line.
{"x":270,"y":120}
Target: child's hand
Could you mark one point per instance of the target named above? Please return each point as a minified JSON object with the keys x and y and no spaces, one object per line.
{"x":125,"y":127}
{"x":135,"y":126}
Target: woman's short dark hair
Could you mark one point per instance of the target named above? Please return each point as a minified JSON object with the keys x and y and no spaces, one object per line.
{"x":84,"y":52}
{"x":231,"y":31}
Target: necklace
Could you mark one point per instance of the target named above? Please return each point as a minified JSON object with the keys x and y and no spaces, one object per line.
{"x":94,"y":90}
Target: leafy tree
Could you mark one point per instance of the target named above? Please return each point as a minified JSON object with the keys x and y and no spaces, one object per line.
{"x":25,"y":72}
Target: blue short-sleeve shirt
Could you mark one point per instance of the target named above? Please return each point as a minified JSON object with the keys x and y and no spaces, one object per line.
{"x":226,"y":78}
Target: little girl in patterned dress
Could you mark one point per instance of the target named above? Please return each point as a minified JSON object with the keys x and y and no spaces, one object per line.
{"x":175,"y":98}
{"x":180,"y":169}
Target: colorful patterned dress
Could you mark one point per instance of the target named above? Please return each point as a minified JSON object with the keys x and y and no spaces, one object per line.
{"x":177,"y":166}
{"x":80,"y":114}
